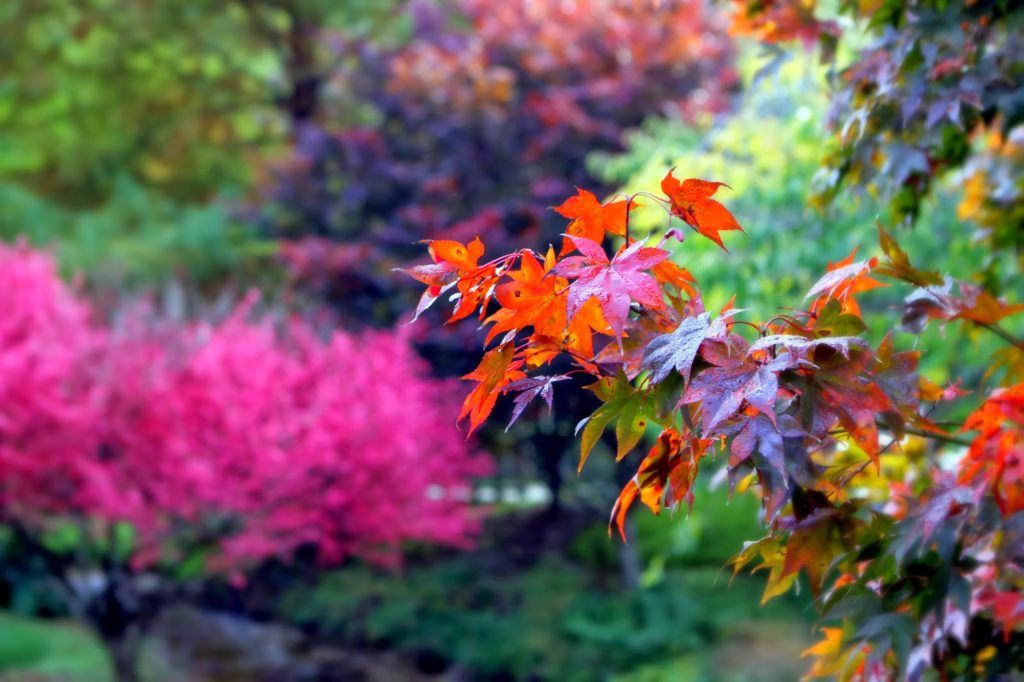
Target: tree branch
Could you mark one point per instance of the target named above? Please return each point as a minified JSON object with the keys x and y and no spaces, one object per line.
{"x":944,"y":437}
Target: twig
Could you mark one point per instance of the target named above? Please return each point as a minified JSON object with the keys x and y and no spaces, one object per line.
{"x":944,"y":437}
{"x":1002,"y":333}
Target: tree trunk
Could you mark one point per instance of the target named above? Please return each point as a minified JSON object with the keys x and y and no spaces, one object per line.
{"x":550,"y":448}
{"x":305,"y":81}
{"x":123,"y":653}
{"x":629,"y":558}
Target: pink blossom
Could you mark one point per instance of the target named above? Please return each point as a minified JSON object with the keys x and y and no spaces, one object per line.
{"x":250,"y":437}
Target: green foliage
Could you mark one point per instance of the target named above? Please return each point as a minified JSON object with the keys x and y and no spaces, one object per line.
{"x":561,"y":619}
{"x":171,"y":93}
{"x":53,"y":650}
{"x":127,"y":128}
{"x":703,"y":537}
{"x":137,"y":236}
{"x":770,"y":148}
{"x":762,"y":651}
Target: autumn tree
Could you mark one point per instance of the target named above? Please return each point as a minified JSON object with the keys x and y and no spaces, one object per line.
{"x":477,"y":123}
{"x":915,"y":567}
{"x":139,"y":458}
{"x":933,"y":93}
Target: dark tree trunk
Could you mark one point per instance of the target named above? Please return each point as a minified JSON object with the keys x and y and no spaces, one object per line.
{"x":123,"y":653}
{"x":120,"y":614}
{"x":303,"y":99}
{"x":550,"y":448}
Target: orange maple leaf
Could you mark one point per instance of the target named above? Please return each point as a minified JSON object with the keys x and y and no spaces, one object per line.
{"x":591,"y":219}
{"x":498,"y":368}
{"x":692,"y":202}
{"x":536,"y":298}
{"x":666,"y":475}
{"x":842,"y":280}
{"x":996,"y":456}
{"x":462,"y":256}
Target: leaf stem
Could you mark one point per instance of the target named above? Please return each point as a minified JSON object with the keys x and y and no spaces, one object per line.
{"x":1002,"y":333}
{"x":629,"y":201}
{"x":944,"y":437}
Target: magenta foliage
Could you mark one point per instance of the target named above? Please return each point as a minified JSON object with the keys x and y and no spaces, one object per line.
{"x":248,"y":438}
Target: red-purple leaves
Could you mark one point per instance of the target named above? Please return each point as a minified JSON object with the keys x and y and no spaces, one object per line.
{"x":678,"y":349}
{"x":529,"y":388}
{"x":722,"y":391}
{"x":613,"y":283}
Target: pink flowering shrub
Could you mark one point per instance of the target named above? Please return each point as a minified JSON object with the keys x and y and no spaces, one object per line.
{"x":49,"y":409}
{"x":242,"y":440}
{"x":271,"y":433}
{"x":282,"y":438}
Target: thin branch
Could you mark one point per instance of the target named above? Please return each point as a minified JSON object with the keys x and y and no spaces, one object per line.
{"x":1002,"y":333}
{"x":944,"y":437}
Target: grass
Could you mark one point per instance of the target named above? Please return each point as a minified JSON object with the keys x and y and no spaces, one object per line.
{"x":33,"y":649}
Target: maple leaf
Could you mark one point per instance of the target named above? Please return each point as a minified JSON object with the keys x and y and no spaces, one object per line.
{"x":939,"y":302}
{"x":765,"y":438}
{"x":475,"y":289}
{"x":1007,"y":609}
{"x":452,"y":261}
{"x":668,"y":272}
{"x":828,"y":654}
{"x":842,"y":390}
{"x":843,"y":280}
{"x":982,"y":307}
{"x":530,"y":388}
{"x":691,"y":201}
{"x":667,"y":472}
{"x":537,"y":297}
{"x":532,"y":298}
{"x":996,"y":456}
{"x":678,"y":349}
{"x":590,"y":219}
{"x":629,"y":408}
{"x":438,"y":277}
{"x":801,"y":345}
{"x":817,"y":539}
{"x":945,"y":499}
{"x":463,"y":256}
{"x":897,"y":263}
{"x":896,"y":375}
{"x":772,"y":554}
{"x":832,"y":321}
{"x":498,"y":368}
{"x":629,"y":355}
{"x":723,"y":390}
{"x":612,"y":283}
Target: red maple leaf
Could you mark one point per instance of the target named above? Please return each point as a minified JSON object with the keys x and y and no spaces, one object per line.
{"x":692,"y":203}
{"x":723,"y":390}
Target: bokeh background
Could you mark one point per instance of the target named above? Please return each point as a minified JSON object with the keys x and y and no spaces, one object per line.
{"x":223,"y":434}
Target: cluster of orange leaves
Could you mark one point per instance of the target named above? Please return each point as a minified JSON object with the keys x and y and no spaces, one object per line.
{"x":528,"y":291}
